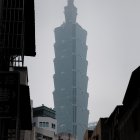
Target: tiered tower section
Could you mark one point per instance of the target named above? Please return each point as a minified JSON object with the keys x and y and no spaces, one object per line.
{"x":70,"y":78}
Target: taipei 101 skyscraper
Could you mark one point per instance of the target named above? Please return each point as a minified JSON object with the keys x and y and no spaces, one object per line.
{"x":70,"y":78}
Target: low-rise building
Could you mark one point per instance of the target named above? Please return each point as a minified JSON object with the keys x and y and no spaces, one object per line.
{"x":124,"y":121}
{"x":44,"y":123}
{"x":88,"y":134}
{"x":129,"y":123}
{"x":101,"y":130}
{"x":113,"y":123}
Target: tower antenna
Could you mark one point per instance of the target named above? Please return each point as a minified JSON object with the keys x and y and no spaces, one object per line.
{"x":70,"y":2}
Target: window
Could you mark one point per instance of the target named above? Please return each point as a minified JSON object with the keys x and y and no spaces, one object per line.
{"x":21,"y":3}
{"x":44,"y":124}
{"x":13,"y":2}
{"x":20,"y":15}
{"x":5,"y":3}
{"x":53,"y":126}
{"x":62,"y":56}
{"x":73,"y":53}
{"x":74,"y":70}
{"x":47,"y":124}
{"x":62,"y":89}
{"x":62,"y":72}
{"x":40,"y":124}
{"x":63,"y":41}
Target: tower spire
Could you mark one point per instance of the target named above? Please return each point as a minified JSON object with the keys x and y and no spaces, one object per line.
{"x":70,"y":12}
{"x":70,"y":2}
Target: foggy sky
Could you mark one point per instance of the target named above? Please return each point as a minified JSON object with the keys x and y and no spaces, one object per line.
{"x":113,"y":42}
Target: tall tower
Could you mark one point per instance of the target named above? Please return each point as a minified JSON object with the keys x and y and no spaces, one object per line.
{"x":70,"y":79}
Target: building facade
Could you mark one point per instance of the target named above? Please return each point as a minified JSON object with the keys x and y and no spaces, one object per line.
{"x":129,"y":123}
{"x":124,"y":121}
{"x":101,"y":130}
{"x":17,"y":39}
{"x":45,"y":123}
{"x":70,"y":78}
{"x":88,"y":134}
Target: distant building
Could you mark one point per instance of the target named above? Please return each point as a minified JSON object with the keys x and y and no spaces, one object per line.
{"x":92,"y":125}
{"x":45,"y":123}
{"x":70,"y":78}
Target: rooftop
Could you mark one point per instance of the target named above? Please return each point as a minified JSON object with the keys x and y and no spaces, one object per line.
{"x":43,"y":111}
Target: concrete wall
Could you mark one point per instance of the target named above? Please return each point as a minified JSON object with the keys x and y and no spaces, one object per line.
{"x":43,"y":132}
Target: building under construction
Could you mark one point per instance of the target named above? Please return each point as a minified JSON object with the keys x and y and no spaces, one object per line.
{"x":17,"y":39}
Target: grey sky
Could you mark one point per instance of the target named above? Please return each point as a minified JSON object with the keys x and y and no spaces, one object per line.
{"x":113,"y":41}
